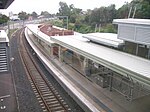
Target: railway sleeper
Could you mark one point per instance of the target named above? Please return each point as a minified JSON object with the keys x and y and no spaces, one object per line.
{"x":57,"y":109}
{"x":60,"y":111}
{"x":54,"y":109}
{"x":38,"y":76}
{"x":45,"y":91}
{"x":44,"y":88}
{"x":37,"y":96}
{"x":52,"y":99}
{"x":40,"y":101}
{"x":43,"y":85}
{"x":41,"y":104}
{"x":41,"y":82}
{"x":48,"y":94}
{"x":45,"y":110}
{"x":53,"y":105}
{"x":43,"y":107}
{"x":53,"y":102}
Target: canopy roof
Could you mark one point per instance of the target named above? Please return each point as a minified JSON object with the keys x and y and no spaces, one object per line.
{"x":120,"y":62}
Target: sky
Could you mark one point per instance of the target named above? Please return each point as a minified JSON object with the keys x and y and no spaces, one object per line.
{"x":52,"y":6}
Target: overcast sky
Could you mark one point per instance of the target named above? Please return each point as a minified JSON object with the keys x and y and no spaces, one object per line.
{"x":52,"y":6}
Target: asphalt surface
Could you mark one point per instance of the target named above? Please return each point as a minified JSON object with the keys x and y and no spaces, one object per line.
{"x":7,"y":94}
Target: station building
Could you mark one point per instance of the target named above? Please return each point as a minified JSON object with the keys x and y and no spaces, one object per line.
{"x":136,"y":34}
{"x":4,"y":40}
{"x":102,"y":57}
{"x":4,"y":51}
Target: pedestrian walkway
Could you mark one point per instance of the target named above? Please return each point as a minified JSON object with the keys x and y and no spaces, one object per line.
{"x":7,"y":95}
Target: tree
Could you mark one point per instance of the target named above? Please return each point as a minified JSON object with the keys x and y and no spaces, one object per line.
{"x":64,"y":9}
{"x":46,"y":14}
{"x":112,"y":13}
{"x":23,"y":15}
{"x":102,"y":15}
{"x":34,"y":14}
{"x":143,"y":8}
{"x":3,"y":19}
{"x":123,"y":11}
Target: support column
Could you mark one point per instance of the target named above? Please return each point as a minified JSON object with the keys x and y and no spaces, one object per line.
{"x":59,"y":53}
{"x":86,"y":67}
{"x":110,"y":82}
{"x":137,"y":49}
{"x":51,"y":51}
{"x":149,"y":53}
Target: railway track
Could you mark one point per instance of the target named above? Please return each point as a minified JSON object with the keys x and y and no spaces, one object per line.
{"x":46,"y":94}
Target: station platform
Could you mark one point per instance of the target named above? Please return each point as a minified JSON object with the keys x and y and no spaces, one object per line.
{"x":7,"y":94}
{"x":89,"y":95}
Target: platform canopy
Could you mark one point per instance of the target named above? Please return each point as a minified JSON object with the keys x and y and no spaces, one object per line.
{"x":4,"y":4}
{"x":120,"y":62}
{"x":108,"y":39}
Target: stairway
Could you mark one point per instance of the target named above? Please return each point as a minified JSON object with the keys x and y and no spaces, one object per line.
{"x":3,"y":60}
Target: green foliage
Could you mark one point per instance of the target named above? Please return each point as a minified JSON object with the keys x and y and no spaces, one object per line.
{"x":34,"y":15}
{"x":102,"y":15}
{"x":123,"y":11}
{"x":23,"y":15}
{"x":45,"y":14}
{"x":85,"y":22}
{"x":143,"y":9}
{"x":85,"y":29}
{"x":70,"y":11}
{"x":64,"y":9}
{"x":3,"y":19}
{"x":57,"y":22}
{"x":71,"y":26}
{"x":109,"y":28}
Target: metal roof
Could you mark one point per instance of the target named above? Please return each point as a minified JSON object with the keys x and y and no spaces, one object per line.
{"x":34,"y":29}
{"x":3,"y":36}
{"x":118,"y":61}
{"x":132,"y":21}
{"x":4,"y":4}
{"x":109,"y":39}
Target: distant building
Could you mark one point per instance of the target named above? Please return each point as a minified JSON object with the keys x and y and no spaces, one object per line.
{"x":13,"y":17}
{"x":4,"y":50}
{"x":30,"y":18}
{"x":53,"y":31}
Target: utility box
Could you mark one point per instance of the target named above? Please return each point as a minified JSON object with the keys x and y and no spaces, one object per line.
{"x":103,"y":80}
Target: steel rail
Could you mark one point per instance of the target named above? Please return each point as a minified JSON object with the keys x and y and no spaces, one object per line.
{"x":28,"y":61}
